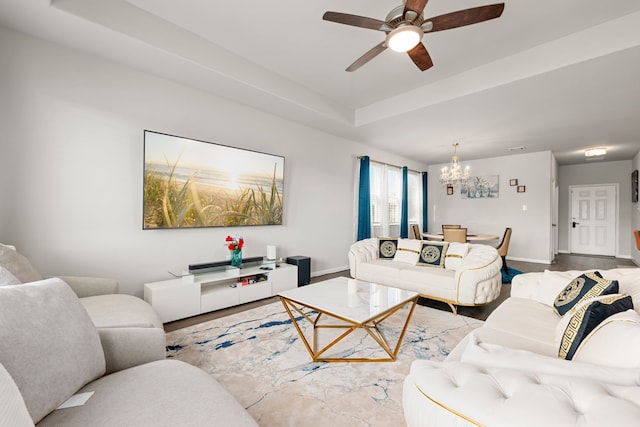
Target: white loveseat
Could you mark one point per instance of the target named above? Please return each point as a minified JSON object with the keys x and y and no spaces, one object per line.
{"x":508,"y":372}
{"x":475,"y":278}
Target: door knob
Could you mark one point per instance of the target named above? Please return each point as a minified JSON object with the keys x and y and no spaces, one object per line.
{"x":573,"y":224}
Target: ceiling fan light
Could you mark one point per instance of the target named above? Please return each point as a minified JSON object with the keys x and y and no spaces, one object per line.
{"x":404,"y":38}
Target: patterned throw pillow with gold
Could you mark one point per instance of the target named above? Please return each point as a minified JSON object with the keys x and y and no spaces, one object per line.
{"x":387,"y":248}
{"x":432,"y":254}
{"x":408,"y":251}
{"x":455,"y":253}
{"x":586,"y":317}
{"x":583,"y":287}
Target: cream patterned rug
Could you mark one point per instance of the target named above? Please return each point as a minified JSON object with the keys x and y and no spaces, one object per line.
{"x":258,"y":356}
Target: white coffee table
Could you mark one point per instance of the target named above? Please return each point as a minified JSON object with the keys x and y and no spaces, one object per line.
{"x":343,"y":303}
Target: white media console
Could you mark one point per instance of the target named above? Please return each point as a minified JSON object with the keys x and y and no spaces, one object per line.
{"x":202,"y":292}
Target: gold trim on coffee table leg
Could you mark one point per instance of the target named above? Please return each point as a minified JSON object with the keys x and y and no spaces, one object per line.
{"x":286,"y":303}
{"x":370,"y":326}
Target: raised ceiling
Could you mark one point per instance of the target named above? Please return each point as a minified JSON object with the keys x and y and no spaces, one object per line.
{"x":547,"y":75}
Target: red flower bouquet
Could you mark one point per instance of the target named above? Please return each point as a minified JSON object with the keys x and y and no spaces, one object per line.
{"x":234,"y":243}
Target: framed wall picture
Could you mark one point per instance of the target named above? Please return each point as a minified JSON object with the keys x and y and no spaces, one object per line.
{"x":521,"y":188}
{"x":513,"y":182}
{"x":449,"y":190}
{"x":634,"y":186}
{"x":481,"y":187}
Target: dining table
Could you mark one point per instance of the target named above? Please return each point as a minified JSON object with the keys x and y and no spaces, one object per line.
{"x":470,"y":237}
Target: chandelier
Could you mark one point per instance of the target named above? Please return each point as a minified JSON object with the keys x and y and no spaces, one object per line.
{"x":453,"y":176}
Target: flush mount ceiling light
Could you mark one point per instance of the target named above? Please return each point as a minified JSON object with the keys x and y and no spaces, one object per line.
{"x":404,"y":38}
{"x":593,"y":152}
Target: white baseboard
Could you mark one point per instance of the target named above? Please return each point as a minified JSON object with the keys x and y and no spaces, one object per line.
{"x":623,"y":256}
{"x":533,"y":260}
{"x":329,"y":271}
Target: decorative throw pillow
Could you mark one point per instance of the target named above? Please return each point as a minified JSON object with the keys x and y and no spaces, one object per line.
{"x":432,"y":254}
{"x":6,"y":278}
{"x":614,"y":342}
{"x":387,"y":247}
{"x":52,"y":354}
{"x":583,"y":287}
{"x":455,"y":252}
{"x":586,"y":317}
{"x":552,"y":283}
{"x":18,"y":264}
{"x":408,"y":251}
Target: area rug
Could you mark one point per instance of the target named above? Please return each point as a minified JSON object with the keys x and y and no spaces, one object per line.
{"x":258,"y":356}
{"x":507,"y":276}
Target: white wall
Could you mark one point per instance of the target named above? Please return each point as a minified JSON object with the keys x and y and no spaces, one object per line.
{"x":531,"y":239}
{"x":72,"y":148}
{"x":598,"y":173}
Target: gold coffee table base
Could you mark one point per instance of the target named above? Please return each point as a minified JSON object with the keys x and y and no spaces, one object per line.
{"x":370,"y":326}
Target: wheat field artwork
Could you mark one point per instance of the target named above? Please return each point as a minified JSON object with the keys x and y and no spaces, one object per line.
{"x":190,"y":183}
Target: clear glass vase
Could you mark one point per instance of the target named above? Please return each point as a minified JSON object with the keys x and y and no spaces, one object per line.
{"x":236,"y":258}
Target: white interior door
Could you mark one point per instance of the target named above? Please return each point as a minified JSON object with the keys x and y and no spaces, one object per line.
{"x":593,"y":219}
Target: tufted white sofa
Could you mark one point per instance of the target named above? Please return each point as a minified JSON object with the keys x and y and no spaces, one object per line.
{"x":476,"y":281}
{"x":507,"y":373}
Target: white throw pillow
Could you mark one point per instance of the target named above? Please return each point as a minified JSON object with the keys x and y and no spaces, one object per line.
{"x":7,"y":279}
{"x":18,"y":264}
{"x":614,"y":342}
{"x":455,"y":253}
{"x":408,"y":251}
{"x":553,"y":282}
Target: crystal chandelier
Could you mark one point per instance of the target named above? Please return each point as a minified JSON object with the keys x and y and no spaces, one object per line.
{"x":454,"y":175}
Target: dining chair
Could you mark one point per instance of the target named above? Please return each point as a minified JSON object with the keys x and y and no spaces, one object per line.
{"x":503,"y":248}
{"x":415,"y":232}
{"x":455,"y":235}
{"x":450,"y":226}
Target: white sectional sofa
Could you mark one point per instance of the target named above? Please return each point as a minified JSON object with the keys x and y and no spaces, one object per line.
{"x":121,"y":320}
{"x":510,"y":371}
{"x":73,"y":335}
{"x":472,"y":278}
{"x":51,"y":350}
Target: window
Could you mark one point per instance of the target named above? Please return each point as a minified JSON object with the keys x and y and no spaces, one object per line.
{"x":386,"y":199}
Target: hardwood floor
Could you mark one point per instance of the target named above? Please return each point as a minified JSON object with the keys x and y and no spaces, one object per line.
{"x":563,"y":262}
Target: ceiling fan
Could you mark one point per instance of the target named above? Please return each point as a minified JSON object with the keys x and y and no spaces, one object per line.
{"x":405,"y":25}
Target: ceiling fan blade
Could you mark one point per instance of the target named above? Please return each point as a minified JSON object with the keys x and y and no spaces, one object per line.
{"x":421,"y":57}
{"x":368,"y":56}
{"x":416,"y":6}
{"x":354,"y":20}
{"x":465,"y":17}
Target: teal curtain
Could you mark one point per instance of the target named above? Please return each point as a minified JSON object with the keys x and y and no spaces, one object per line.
{"x":404,"y":218}
{"x":425,"y":225}
{"x":364,"y":200}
